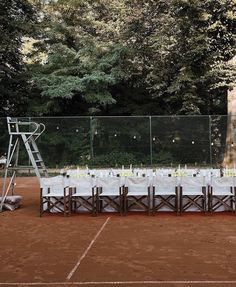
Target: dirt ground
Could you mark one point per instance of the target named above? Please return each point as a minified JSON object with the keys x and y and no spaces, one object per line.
{"x":135,"y":250}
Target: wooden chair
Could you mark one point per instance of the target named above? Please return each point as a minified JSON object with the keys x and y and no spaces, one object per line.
{"x":83,"y":195}
{"x":54,"y":195}
{"x":222,"y":194}
{"x":110,"y":194}
{"x":137,"y":193}
{"x":193,"y":194}
{"x":165,"y":194}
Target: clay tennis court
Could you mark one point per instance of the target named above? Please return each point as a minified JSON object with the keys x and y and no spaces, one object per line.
{"x":110,"y":250}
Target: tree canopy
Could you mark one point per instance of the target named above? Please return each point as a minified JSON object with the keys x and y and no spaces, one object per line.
{"x":16,"y":20}
{"x":110,"y":57}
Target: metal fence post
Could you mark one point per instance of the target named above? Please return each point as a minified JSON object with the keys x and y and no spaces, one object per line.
{"x":91,"y":136}
{"x":210,"y":143}
{"x":150,"y":133}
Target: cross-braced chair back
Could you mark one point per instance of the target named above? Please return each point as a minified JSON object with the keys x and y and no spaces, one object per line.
{"x":110,"y":194}
{"x":54,"y":195}
{"x":222,"y":194}
{"x":165,"y":193}
{"x":83,"y":195}
{"x":137,"y":193}
{"x":193,"y":194}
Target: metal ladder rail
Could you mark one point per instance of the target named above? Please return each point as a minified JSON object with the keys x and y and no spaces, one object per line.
{"x":14,"y":123}
{"x":9,"y":159}
{"x":34,"y":135}
{"x":32,"y":158}
{"x":39,"y":158}
{"x":31,"y":140}
{"x":11,"y":183}
{"x":37,"y":131}
{"x":11,"y":150}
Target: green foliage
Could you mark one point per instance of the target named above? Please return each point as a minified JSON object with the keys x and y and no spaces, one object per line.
{"x":113,"y":159}
{"x":163,"y":157}
{"x":16,"y":19}
{"x":180,"y":47}
{"x":111,"y":57}
{"x":82,"y":62}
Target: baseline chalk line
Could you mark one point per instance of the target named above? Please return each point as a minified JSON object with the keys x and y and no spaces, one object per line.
{"x":117,"y":283}
{"x":87,"y":250}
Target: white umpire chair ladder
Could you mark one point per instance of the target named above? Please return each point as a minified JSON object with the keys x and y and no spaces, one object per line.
{"x":27,"y":132}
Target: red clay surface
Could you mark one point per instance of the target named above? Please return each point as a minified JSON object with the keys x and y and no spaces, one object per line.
{"x":139,"y":248}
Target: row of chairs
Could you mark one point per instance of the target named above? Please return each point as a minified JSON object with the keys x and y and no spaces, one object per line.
{"x":68,"y":195}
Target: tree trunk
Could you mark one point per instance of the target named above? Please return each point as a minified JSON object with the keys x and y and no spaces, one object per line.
{"x":230,"y":145}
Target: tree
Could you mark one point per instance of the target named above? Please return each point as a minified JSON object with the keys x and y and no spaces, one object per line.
{"x":230,"y":154}
{"x":135,"y":57}
{"x":84,"y":56}
{"x":16,"y":18}
{"x":182,"y":47}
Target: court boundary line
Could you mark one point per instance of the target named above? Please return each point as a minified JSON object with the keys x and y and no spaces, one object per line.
{"x":119,"y":282}
{"x":87,"y":250}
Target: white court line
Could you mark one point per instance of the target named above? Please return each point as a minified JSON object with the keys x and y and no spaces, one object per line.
{"x":119,"y":283}
{"x":86,"y":251}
